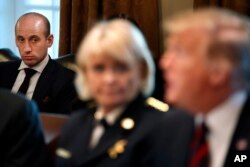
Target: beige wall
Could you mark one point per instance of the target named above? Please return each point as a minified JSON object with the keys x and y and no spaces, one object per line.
{"x":169,"y":7}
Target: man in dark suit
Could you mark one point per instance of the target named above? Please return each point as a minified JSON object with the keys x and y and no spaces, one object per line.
{"x":206,"y":69}
{"x":38,"y":76}
{"x":21,"y":138}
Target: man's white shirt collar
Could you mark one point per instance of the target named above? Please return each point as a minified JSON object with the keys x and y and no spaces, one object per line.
{"x":39,"y":67}
{"x":221,"y":122}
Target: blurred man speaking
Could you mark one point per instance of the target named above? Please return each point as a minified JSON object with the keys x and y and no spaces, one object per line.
{"x":206,"y":68}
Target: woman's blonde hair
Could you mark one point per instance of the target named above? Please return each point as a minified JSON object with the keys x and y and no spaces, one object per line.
{"x":120,"y":40}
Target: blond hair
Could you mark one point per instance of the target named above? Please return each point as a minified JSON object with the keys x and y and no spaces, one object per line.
{"x":121,"y":40}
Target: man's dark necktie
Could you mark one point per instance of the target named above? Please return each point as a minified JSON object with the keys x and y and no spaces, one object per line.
{"x":199,"y":148}
{"x":28,"y":74}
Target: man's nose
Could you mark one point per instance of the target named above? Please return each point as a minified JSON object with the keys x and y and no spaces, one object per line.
{"x":27,"y":47}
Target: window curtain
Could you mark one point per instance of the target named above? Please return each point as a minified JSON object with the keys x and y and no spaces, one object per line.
{"x":240,"y":6}
{"x":78,"y":16}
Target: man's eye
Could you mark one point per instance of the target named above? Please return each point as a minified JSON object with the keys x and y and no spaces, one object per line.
{"x":20,"y":40}
{"x":34,"y":40}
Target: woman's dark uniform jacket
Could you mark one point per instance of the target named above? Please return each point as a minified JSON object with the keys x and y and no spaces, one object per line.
{"x":54,"y":91}
{"x":21,"y":138}
{"x":117,"y":147}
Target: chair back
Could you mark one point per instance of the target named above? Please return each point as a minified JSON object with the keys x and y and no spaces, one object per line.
{"x":52,"y":126}
{"x":7,"y":55}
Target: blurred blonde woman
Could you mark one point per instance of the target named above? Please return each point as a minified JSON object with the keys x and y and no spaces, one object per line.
{"x":116,"y":70}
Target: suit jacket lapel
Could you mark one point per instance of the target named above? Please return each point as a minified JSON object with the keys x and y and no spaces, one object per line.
{"x":109,"y":139}
{"x":44,"y":83}
{"x":241,"y":134}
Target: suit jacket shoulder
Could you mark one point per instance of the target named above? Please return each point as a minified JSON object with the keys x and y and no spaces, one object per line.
{"x":21,"y":137}
{"x":8,"y":73}
{"x":240,"y":135}
{"x":62,"y":71}
{"x":174,"y":133}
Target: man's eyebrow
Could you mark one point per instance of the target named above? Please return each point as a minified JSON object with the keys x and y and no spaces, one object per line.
{"x":33,"y":36}
{"x":19,"y":36}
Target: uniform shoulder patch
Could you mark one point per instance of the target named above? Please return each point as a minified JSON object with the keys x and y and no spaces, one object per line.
{"x":157,"y":104}
{"x":61,"y":152}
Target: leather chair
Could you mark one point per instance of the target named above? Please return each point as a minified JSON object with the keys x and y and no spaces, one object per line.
{"x":7,"y":55}
{"x":52,"y":126}
{"x":68,"y":61}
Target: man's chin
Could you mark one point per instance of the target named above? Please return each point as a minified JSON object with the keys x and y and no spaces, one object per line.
{"x":168,"y":98}
{"x":30,"y":63}
{"x":186,"y":107}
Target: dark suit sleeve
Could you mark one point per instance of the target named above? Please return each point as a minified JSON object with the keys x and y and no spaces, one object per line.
{"x":24,"y":138}
{"x":149,"y":152}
